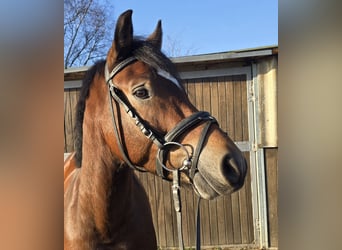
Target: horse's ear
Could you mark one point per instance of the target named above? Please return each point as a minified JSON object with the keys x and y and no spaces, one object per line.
{"x":123,"y":37}
{"x":156,"y":37}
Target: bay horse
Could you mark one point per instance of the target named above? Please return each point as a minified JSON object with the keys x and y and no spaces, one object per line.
{"x":133,"y":114}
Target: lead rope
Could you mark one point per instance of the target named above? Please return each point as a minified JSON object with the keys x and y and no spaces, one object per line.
{"x":178,"y":209}
{"x":178,"y":206}
{"x":198,"y":225}
{"x":176,"y":193}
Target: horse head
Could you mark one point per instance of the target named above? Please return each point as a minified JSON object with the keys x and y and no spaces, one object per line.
{"x":149,"y":122}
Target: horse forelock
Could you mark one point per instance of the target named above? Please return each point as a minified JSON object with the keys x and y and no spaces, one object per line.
{"x":144,"y":51}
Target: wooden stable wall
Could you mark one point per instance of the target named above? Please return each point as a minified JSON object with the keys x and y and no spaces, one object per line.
{"x":227,"y":220}
{"x":230,"y":221}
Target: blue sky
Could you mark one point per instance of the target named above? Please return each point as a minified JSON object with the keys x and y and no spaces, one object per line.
{"x":201,"y":26}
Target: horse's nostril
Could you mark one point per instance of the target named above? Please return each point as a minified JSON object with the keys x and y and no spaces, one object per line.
{"x":229,"y":169}
{"x":234,"y":170}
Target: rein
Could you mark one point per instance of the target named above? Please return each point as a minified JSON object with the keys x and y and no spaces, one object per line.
{"x":163,"y":142}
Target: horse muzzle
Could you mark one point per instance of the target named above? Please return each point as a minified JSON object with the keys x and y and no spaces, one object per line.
{"x":219,"y":175}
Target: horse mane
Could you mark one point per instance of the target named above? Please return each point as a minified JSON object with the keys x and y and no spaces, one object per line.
{"x":97,"y":68}
{"x":143,"y":51}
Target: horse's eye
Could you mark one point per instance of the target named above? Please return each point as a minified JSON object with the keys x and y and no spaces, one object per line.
{"x":141,"y":93}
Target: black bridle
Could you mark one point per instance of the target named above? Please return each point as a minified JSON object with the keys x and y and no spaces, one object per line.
{"x":164,"y":143}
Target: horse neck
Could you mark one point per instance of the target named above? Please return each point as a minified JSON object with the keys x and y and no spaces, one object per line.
{"x":103,"y":179}
{"x":103,"y":194}
{"x":99,"y":177}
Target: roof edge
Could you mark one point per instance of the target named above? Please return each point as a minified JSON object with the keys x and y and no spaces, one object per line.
{"x":211,"y":57}
{"x":234,"y":54}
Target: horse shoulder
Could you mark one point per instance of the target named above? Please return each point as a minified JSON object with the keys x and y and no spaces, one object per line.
{"x":71,"y":183}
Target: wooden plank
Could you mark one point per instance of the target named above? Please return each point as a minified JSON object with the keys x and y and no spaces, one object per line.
{"x":249,"y":207}
{"x":72,"y":84}
{"x":271,"y":165}
{"x":214,"y":105}
{"x":161,"y":219}
{"x":185,"y":215}
{"x":154,"y":205}
{"x":74,"y":95}
{"x":206,"y":95}
{"x":70,"y":102}
{"x":236,"y":218}
{"x":229,"y":219}
{"x":237,"y":109}
{"x":199,"y":94}
{"x":191,"y":91}
{"x":222,"y":103}
{"x":243,"y":215}
{"x":68,"y":125}
{"x":170,"y":226}
{"x":230,"y":105}
{"x":191,"y":210}
{"x":214,"y":220}
{"x":65,"y":123}
{"x":205,"y":223}
{"x":244,"y":108}
{"x":221,"y":221}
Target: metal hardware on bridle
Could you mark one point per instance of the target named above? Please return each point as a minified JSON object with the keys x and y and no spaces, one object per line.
{"x":186,"y":164}
{"x":189,"y":164}
{"x":182,"y":127}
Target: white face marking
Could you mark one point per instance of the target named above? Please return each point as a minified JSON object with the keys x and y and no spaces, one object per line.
{"x":169,"y":77}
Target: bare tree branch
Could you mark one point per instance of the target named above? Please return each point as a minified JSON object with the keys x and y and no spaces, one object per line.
{"x":173,"y":48}
{"x":86,"y":31}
